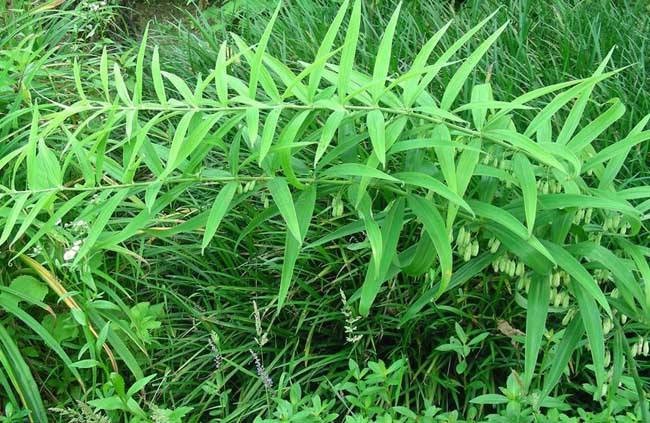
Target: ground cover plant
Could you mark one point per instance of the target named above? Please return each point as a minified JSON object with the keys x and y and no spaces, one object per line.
{"x":363,"y":225}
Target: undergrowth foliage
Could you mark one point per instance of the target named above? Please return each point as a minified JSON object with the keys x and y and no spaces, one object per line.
{"x":433,"y":192}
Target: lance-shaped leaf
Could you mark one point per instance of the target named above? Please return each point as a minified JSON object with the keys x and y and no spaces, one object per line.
{"x":434,"y":225}
{"x":376,"y":275}
{"x":526,"y":176}
{"x":304,"y":211}
{"x":284,"y":201}
{"x":218,"y":211}
{"x":536,"y":313}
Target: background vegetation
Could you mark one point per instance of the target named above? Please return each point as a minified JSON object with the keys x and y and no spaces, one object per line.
{"x":324,"y":211}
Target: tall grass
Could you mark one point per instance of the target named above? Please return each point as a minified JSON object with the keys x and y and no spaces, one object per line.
{"x":372,"y":221}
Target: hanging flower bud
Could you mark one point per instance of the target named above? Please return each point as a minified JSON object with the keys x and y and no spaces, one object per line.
{"x":461,"y":235}
{"x":607,"y":325}
{"x":475,"y":248}
{"x":565,"y":300}
{"x":468,"y":253}
{"x":556,"y":279}
{"x":520,"y":284}
{"x":520,"y":269}
{"x":495,"y":246}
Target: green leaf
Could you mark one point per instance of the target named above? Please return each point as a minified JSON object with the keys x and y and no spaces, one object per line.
{"x":218,"y":211}
{"x":434,"y":225}
{"x":329,"y":129}
{"x":458,"y":80}
{"x":525,"y":174}
{"x":596,"y":127}
{"x":253,"y":124}
{"x":177,"y":142}
{"x":99,"y":223}
{"x":536,"y":313}
{"x":624,"y":280}
{"x":349,"y":51}
{"x":21,"y":377}
{"x":304,"y":210}
{"x":286,"y":141}
{"x":492,"y":399}
{"x":446,"y":56}
{"x":181,"y":87}
{"x":382,"y":59}
{"x":156,"y":76}
{"x":122,"y":92}
{"x":372,"y":230}
{"x":46,"y":171}
{"x":428,"y":182}
{"x":390,"y":231}
{"x":139,"y":67}
{"x":377,"y":133}
{"x":44,"y":335}
{"x":615,"y":149}
{"x":221,"y":74}
{"x":446,"y":155}
{"x":37,"y":208}
{"x":16,"y":210}
{"x":466,"y":272}
{"x":325,"y":48}
{"x":29,"y":288}
{"x":507,"y":220}
{"x":256,"y":64}
{"x":356,"y":169}
{"x":559,"y":101}
{"x":560,"y":359}
{"x":594,"y":327}
{"x":575,"y":116}
{"x":572,"y":266}
{"x":419,"y":63}
{"x":103,"y":74}
{"x":525,"y":144}
{"x":481,"y":94}
{"x":284,"y":201}
{"x":270,"y":124}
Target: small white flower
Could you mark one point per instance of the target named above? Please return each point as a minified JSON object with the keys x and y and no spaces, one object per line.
{"x":71,"y":252}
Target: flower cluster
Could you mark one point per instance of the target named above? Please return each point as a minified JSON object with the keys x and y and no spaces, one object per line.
{"x":559,"y":296}
{"x":261,"y":371}
{"x":614,"y":223}
{"x":583,"y":216}
{"x":262,"y":336}
{"x":70,"y":253}
{"x":350,"y":321}
{"x":218,"y":358}
{"x":337,"y":206}
{"x":641,"y":347}
{"x":549,"y":186}
{"x":510,"y":266}
{"x":247,"y":187}
{"x":96,"y":6}
{"x":467,"y":247}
